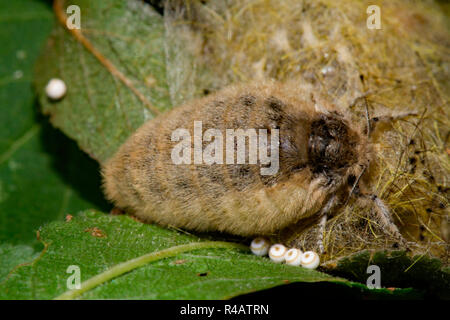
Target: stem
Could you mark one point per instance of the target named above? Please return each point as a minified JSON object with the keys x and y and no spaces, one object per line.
{"x":129,"y":265}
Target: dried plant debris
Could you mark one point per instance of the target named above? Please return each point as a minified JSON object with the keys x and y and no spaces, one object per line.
{"x":326,"y":46}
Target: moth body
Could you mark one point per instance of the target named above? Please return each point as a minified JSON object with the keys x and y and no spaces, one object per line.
{"x":320,"y":154}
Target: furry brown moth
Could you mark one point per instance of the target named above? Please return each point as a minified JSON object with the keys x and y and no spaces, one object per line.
{"x":323,"y":158}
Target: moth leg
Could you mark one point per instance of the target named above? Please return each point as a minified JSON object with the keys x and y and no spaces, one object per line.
{"x":323,"y":221}
{"x":385,"y":218}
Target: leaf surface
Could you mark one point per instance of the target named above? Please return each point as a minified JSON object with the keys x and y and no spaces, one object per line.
{"x":114,"y":69}
{"x":40,"y":178}
{"x":96,"y":242}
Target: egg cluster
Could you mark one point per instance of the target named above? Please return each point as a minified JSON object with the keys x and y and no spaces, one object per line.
{"x":279,"y":253}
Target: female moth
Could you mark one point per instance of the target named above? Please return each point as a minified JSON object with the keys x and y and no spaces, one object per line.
{"x":322,"y":158}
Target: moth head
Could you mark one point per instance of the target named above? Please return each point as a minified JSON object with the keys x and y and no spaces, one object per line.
{"x":332,"y":144}
{"x":339,"y":150}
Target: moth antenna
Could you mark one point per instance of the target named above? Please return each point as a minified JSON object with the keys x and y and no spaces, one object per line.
{"x":366,"y":104}
{"x":385,"y":217}
{"x":391,"y":118}
{"x":366,"y":107}
{"x":369,"y":131}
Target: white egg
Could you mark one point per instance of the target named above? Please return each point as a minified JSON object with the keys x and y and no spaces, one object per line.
{"x":277,"y":253}
{"x":310,"y":260}
{"x":55,"y":89}
{"x":260,"y":246}
{"x":293,"y":257}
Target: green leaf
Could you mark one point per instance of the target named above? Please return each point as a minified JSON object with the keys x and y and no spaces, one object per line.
{"x":114,"y":69}
{"x":398,"y":269}
{"x":13,"y":257}
{"x":39,"y":168}
{"x":176,"y":266}
{"x":96,"y":242}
